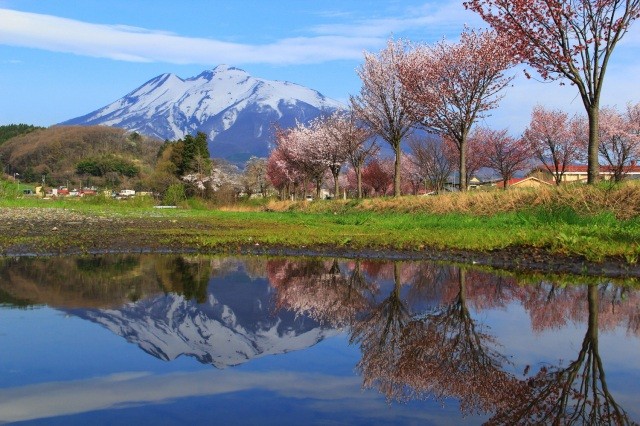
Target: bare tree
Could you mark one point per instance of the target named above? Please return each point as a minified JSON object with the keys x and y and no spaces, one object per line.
{"x":503,"y":153}
{"x":433,"y":161}
{"x":254,"y":177}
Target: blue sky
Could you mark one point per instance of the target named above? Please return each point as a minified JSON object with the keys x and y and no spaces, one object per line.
{"x":62,"y":59}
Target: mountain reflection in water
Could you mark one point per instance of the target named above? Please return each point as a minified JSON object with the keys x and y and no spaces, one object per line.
{"x":422,"y":329}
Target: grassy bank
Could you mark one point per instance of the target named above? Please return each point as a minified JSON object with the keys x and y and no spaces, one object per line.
{"x":597,"y":223}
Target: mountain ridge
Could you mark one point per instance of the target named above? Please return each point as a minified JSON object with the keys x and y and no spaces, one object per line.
{"x":215,"y":332}
{"x":234,"y":109}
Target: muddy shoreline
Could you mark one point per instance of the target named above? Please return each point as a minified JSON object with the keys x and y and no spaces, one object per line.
{"x":56,"y":232}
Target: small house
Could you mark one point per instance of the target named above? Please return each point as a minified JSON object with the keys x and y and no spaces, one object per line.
{"x":526,"y":182}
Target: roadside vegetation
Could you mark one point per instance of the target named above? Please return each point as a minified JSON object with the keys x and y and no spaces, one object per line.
{"x":596,"y":223}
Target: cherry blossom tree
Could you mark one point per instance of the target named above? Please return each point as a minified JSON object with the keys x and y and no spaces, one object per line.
{"x":379,"y":103}
{"x":309,"y":148}
{"x":356,"y":139}
{"x":411,"y":177}
{"x":283,"y":171}
{"x":449,"y":86}
{"x":555,"y":140}
{"x":503,"y":153}
{"x":377,"y":176}
{"x":303,"y":147}
{"x":277,"y":173}
{"x":316,"y":147}
{"x":328,"y":146}
{"x":620,"y":139}
{"x":565,"y":39}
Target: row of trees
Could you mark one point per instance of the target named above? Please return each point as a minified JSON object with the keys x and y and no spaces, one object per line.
{"x":446,"y":88}
{"x":553,"y":141}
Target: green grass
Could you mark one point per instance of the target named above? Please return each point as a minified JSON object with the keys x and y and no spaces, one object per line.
{"x":557,"y":229}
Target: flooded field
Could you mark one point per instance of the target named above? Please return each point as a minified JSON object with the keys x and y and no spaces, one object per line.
{"x":174,"y":339}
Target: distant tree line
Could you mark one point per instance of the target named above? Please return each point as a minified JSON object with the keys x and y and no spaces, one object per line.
{"x":12,"y":130}
{"x":109,"y":163}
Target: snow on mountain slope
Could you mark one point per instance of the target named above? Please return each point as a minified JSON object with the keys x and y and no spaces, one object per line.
{"x":233,"y":108}
{"x":217,"y":332}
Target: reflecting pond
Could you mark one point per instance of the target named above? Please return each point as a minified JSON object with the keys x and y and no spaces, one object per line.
{"x":173,"y":339}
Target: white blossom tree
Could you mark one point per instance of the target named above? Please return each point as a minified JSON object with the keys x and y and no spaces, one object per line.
{"x":379,"y":103}
{"x":449,"y":86}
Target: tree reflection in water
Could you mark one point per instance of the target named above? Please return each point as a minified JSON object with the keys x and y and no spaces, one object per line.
{"x":102,"y":281}
{"x":443,"y":352}
{"x":417,"y":324}
{"x":320,"y":290}
{"x":577,"y":394}
{"x":446,"y":353}
{"x":379,"y":333}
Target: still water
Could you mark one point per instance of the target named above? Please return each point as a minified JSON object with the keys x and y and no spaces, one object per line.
{"x":158,"y":339}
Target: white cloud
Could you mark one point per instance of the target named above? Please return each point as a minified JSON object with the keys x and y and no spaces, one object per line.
{"x":431,"y":21}
{"x":335,"y":41}
{"x":45,"y":400}
{"x":142,"y":45}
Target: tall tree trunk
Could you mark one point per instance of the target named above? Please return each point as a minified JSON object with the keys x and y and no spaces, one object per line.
{"x":592,"y":330}
{"x":359,"y":179}
{"x":593,"y":166}
{"x":462,"y":281}
{"x":463,"y":165}
{"x":396,"y":175}
{"x":336,"y":186}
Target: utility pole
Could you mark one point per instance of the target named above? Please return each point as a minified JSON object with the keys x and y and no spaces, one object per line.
{"x":15,"y":178}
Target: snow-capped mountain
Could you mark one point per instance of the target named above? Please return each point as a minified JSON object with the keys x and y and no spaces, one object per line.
{"x":233,"y":108}
{"x":234,"y":325}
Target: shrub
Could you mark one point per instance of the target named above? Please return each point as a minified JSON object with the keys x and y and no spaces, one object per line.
{"x":175,"y":195}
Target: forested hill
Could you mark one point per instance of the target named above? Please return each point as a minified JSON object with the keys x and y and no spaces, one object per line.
{"x":12,"y":130}
{"x":97,"y":155}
